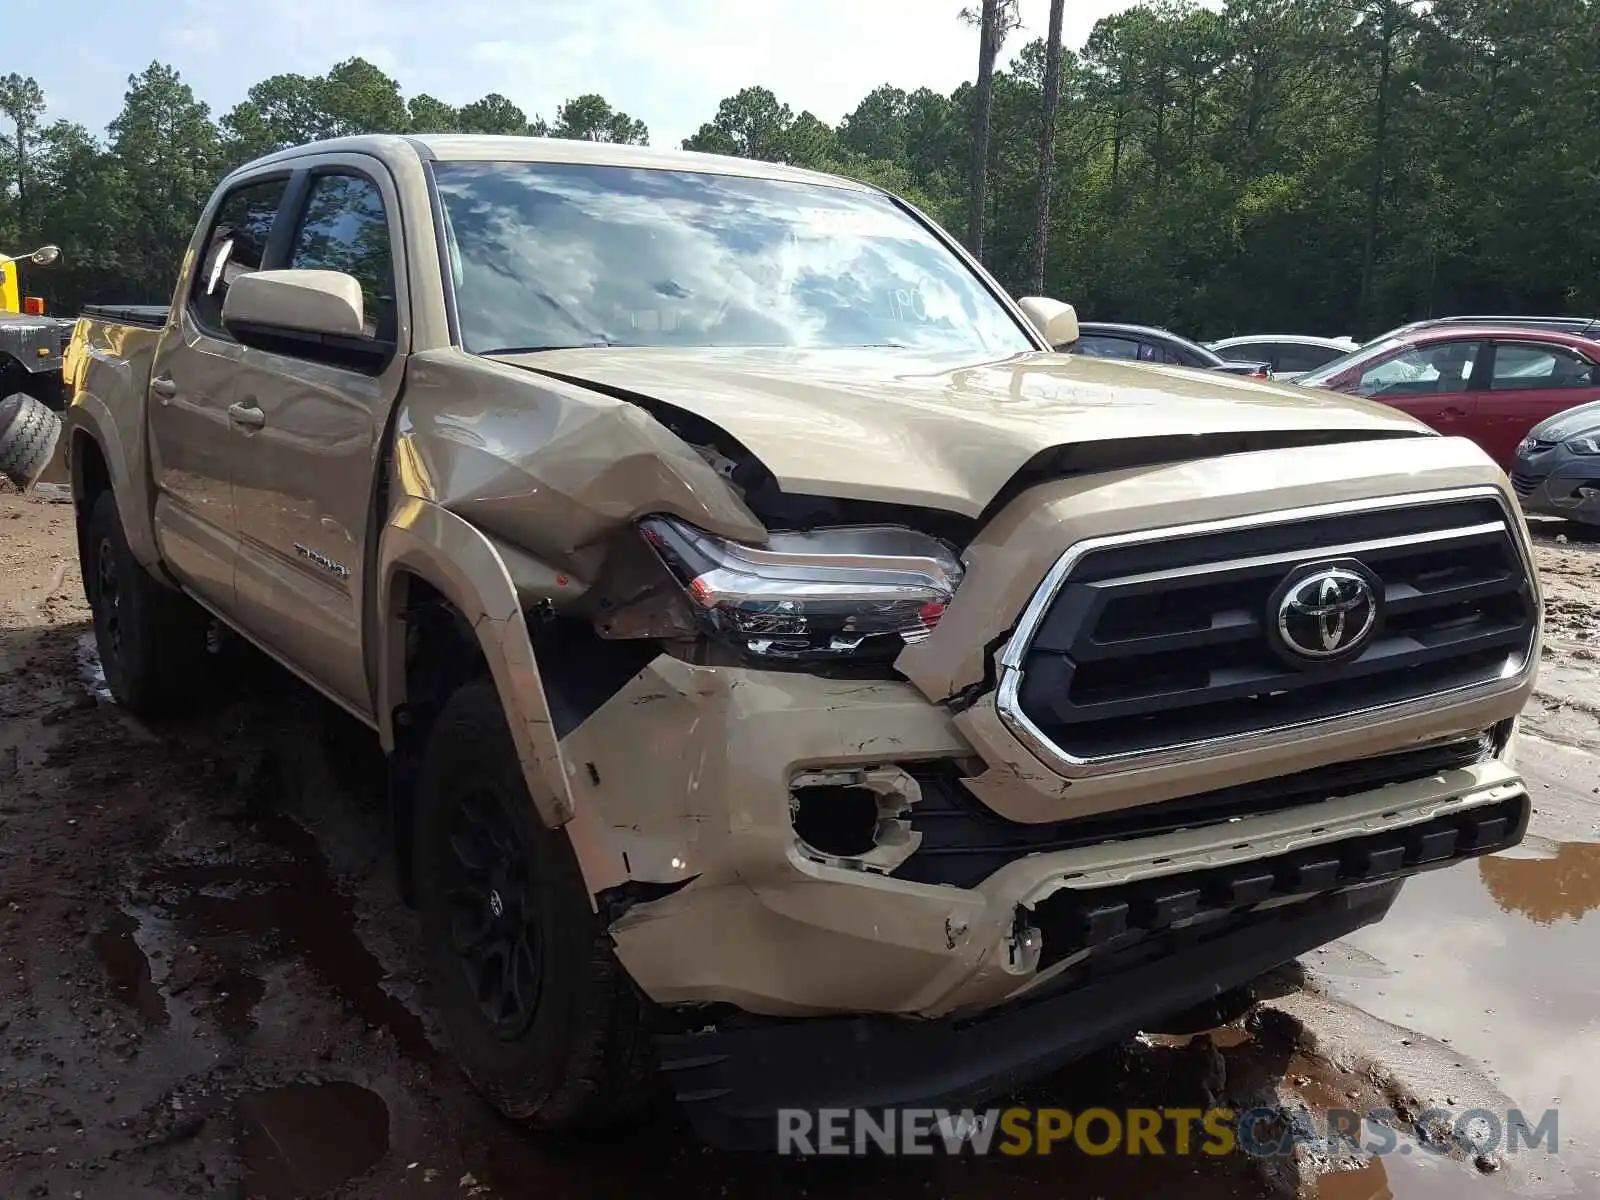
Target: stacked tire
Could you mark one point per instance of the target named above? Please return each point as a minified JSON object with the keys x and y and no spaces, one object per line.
{"x":28,"y":435}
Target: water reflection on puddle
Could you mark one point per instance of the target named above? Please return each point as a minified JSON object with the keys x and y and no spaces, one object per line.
{"x":1500,"y":958}
{"x":1402,"y":1176}
{"x":1546,"y":890}
{"x":90,"y":672}
{"x":126,"y":968}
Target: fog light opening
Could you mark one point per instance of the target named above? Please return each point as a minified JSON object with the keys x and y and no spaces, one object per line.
{"x":841,"y":821}
{"x":855,"y":817}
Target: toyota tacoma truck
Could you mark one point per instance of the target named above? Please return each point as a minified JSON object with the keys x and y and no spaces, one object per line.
{"x":796,"y":678}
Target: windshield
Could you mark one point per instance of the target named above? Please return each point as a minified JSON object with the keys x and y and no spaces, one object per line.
{"x":547,"y":255}
{"x":1345,"y":361}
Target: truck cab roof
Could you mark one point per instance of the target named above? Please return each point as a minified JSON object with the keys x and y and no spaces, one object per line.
{"x":471,"y":147}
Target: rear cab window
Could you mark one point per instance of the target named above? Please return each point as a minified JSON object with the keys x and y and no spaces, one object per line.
{"x":236,"y":245}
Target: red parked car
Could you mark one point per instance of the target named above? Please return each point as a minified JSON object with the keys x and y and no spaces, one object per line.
{"x":1488,"y":383}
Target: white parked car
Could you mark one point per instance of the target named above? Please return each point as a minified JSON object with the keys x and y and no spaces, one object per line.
{"x":1291,"y":354}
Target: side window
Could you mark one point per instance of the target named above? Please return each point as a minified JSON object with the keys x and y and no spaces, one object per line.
{"x":1522,"y":366}
{"x":1104,"y":346}
{"x":1422,"y":371}
{"x":235,"y":247}
{"x":346,"y":229}
{"x":1294,"y":356}
{"x":1250,"y":352}
{"x":1150,"y":352}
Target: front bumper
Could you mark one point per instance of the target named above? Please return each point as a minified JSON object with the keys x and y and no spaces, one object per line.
{"x":733,"y":1081}
{"x":1555,"y":492}
{"x":746,"y":915}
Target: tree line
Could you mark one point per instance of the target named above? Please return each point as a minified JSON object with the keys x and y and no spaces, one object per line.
{"x":1332,"y":166}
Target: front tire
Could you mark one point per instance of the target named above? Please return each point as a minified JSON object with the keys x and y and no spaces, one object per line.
{"x":151,"y":638}
{"x":542,"y":1016}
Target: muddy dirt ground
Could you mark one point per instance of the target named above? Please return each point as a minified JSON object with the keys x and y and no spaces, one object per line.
{"x":208,"y":985}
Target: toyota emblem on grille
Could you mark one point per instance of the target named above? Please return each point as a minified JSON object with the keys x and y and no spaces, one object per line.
{"x":1326,"y":612}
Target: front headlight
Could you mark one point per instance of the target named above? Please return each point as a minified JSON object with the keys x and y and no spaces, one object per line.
{"x":1584,"y":445}
{"x":824,"y":595}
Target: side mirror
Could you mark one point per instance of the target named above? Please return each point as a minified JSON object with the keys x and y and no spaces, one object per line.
{"x":1058,"y":322}
{"x":312,"y":302}
{"x":45,"y":256}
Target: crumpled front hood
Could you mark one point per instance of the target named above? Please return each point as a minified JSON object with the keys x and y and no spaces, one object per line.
{"x":904,"y":427}
{"x":1575,"y":422}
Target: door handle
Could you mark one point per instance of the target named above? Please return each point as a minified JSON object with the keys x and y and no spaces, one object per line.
{"x":163,"y":386}
{"x":247,"y":415}
{"x":1454,"y":412}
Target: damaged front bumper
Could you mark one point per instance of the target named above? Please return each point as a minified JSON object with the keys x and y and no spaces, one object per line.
{"x":732,"y":1082}
{"x":1048,"y":959}
{"x":1143,"y":954}
{"x":751,"y":915}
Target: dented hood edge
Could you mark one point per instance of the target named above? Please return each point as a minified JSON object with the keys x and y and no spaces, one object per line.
{"x":915,"y":430}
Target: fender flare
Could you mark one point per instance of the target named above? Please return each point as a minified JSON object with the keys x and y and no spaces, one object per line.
{"x":454,"y":557}
{"x":88,"y":419}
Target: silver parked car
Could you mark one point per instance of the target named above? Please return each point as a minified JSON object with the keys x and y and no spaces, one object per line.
{"x":1557,"y":470}
{"x":1289,"y":355}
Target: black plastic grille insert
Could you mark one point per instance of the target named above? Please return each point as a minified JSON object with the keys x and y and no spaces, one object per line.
{"x":1167,"y":643}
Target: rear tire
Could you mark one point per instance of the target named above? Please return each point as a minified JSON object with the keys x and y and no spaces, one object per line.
{"x":151,"y":638}
{"x":541,"y":1015}
{"x":28,"y":435}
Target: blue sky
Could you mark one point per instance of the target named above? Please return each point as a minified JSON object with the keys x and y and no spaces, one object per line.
{"x":667,"y":62}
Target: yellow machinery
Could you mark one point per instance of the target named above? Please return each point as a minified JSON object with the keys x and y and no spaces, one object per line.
{"x":10,"y":300}
{"x":30,"y":342}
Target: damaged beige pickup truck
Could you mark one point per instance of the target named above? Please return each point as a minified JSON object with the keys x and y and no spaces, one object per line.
{"x":796,"y":678}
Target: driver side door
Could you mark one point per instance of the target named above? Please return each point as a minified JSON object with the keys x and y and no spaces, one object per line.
{"x":304,"y":485}
{"x":1433,"y":382}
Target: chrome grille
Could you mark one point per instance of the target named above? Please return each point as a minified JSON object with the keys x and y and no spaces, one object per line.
{"x":1159,"y":641}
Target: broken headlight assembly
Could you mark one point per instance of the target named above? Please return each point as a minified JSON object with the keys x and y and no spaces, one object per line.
{"x":858,"y":593}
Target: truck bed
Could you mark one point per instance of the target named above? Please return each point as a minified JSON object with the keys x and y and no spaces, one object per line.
{"x":151,"y":316}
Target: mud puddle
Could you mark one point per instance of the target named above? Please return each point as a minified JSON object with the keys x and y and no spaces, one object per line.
{"x":127,"y":969}
{"x":91,"y":674}
{"x":1500,"y":960}
{"x":1408,"y":1173}
{"x":239,"y":896}
{"x":304,"y":1139}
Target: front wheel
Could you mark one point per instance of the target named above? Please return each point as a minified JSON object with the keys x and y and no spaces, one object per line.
{"x":541,"y":1015}
{"x":151,"y":638}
